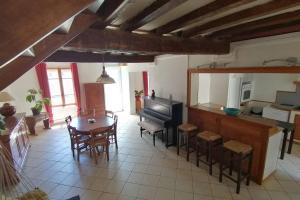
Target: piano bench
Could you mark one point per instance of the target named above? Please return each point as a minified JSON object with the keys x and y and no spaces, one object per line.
{"x":152,"y":128}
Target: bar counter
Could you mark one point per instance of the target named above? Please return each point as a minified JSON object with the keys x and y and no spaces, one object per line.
{"x":261,"y":133}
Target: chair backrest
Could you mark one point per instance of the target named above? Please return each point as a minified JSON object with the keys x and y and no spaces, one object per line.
{"x":98,"y":134}
{"x":68,"y":120}
{"x":115,"y":123}
{"x":74,"y":135}
{"x":109,"y":113}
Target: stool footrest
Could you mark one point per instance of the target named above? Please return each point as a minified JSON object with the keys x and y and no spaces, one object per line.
{"x":245,"y":175}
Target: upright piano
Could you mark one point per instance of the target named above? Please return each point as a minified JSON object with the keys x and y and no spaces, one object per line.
{"x":165,"y":112}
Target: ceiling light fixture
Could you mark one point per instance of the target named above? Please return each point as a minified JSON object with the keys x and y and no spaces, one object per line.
{"x":104,"y":78}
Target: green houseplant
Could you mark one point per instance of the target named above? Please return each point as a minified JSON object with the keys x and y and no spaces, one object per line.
{"x":138,"y":94}
{"x":34,"y":96}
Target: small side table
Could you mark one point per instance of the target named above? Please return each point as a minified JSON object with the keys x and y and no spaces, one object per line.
{"x":31,"y":121}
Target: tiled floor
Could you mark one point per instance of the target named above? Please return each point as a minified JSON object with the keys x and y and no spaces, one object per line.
{"x":140,"y":171}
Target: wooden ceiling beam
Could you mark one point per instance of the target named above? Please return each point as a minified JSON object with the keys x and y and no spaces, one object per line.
{"x":108,"y":11}
{"x":210,"y":9}
{"x":266,"y":22}
{"x":89,"y":57}
{"x":24,"y":23}
{"x":239,"y":17}
{"x":12,"y":71}
{"x":114,"y":40}
{"x":267,"y":31}
{"x":155,"y":10}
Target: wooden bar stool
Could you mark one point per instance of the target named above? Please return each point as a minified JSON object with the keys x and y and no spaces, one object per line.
{"x":238,"y":153}
{"x":207,"y":140}
{"x":186,"y":132}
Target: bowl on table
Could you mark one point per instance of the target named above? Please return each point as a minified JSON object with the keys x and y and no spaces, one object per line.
{"x":232,"y":111}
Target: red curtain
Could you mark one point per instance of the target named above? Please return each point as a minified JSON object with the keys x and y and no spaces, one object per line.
{"x":76,"y":84}
{"x":145,"y":81}
{"x":41,"y":71}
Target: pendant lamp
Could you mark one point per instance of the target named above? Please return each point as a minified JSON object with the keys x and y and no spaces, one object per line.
{"x":104,"y":78}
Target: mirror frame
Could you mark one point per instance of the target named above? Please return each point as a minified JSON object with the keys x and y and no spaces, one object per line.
{"x":258,"y":69}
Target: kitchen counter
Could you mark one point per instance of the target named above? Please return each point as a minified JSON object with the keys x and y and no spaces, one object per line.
{"x":262,"y":134}
{"x":251,"y":118}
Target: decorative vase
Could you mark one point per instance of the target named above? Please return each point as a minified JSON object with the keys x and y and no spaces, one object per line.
{"x":7,"y":110}
{"x":35,"y":111}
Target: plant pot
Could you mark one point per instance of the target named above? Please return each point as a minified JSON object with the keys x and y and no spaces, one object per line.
{"x":138,"y":104}
{"x":35,"y":111}
{"x":138,"y":98}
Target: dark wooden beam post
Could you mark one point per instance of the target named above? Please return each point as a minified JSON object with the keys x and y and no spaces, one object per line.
{"x":210,"y":9}
{"x":89,"y":57}
{"x":23,"y":23}
{"x":114,"y":40}
{"x":155,"y":10}
{"x":266,"y":22}
{"x":12,"y":71}
{"x":267,"y":31}
{"x":238,"y":17}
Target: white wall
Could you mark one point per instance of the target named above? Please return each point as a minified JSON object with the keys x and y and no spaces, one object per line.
{"x":219,"y":89}
{"x":125,"y":88}
{"x":169,"y":77}
{"x":134,"y":71}
{"x":266,"y":85}
{"x":18,"y":90}
{"x":135,"y":83}
{"x":204,"y":89}
{"x":254,"y":52}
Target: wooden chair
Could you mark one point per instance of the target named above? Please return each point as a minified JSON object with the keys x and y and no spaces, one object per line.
{"x":68,"y":120}
{"x":99,"y":138}
{"x":112,"y":134}
{"x":78,"y":142}
{"x":109,"y":113}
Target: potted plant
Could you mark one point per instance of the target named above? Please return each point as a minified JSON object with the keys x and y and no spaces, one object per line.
{"x":34,"y":96}
{"x":138,"y":102}
{"x":138,"y":94}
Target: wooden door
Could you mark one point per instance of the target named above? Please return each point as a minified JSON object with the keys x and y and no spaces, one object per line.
{"x":94,"y":98}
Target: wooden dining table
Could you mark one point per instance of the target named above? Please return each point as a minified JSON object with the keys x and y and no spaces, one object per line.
{"x":82,"y":125}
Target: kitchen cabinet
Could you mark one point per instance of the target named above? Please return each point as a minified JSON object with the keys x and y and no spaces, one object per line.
{"x":94,"y":98}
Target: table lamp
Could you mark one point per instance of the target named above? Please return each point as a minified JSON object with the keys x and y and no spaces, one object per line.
{"x":6,"y":110}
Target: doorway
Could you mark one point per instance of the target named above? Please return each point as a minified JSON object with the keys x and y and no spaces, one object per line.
{"x":113,"y":92}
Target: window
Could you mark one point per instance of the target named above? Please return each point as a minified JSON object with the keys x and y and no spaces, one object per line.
{"x":61,"y":86}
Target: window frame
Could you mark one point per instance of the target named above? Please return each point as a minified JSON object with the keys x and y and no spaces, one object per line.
{"x":62,"y":92}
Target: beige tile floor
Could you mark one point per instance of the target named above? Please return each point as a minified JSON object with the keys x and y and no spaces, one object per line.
{"x":140,"y":171}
